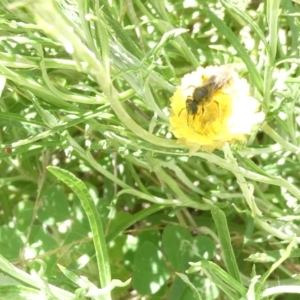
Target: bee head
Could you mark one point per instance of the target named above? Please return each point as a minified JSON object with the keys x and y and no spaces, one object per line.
{"x":191,"y":106}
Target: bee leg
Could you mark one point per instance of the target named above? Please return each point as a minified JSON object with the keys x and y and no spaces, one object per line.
{"x":202,"y":110}
{"x":219,"y":114}
{"x":181,"y":112}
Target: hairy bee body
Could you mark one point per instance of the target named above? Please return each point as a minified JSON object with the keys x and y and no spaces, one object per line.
{"x":199,"y":96}
{"x":203,"y":94}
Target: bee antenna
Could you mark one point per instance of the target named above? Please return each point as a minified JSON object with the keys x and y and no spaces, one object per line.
{"x":191,"y":86}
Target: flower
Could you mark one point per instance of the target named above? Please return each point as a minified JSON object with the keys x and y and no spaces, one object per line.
{"x":220,"y":110}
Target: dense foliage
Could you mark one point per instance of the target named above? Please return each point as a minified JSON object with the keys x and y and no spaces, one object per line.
{"x":98,"y":200}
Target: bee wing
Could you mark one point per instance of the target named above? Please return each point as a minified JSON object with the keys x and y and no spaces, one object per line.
{"x":221,"y":80}
{"x":217,"y":81}
{"x":207,"y":82}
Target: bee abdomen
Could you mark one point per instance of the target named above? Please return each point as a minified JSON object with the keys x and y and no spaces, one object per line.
{"x":199,"y":94}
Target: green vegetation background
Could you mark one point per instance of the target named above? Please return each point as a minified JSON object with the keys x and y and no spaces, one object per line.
{"x":97,"y":200}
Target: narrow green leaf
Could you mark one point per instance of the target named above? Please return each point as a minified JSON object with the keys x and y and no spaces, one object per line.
{"x":90,"y":208}
{"x":134,"y":218}
{"x":273,"y":13}
{"x":227,"y":32}
{"x":250,"y":21}
{"x":7,"y":268}
{"x":185,"y":279}
{"x":285,"y":255}
{"x":12,"y":292}
{"x":221,"y":278}
{"x":2,"y":84}
{"x":250,"y":165}
{"x":120,"y":33}
{"x":224,"y":236}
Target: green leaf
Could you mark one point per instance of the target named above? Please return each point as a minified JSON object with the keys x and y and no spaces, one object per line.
{"x":94,"y":219}
{"x":23,"y":212}
{"x":185,"y":279}
{"x":232,"y":38}
{"x":193,"y":286}
{"x":33,"y":281}
{"x":271,"y":256}
{"x":48,"y":119}
{"x":150,"y":271}
{"x":128,"y":221}
{"x":178,"y":289}
{"x":203,"y":248}
{"x":250,"y":165}
{"x":55,"y":206}
{"x":149,"y":236}
{"x":284,"y":256}
{"x":234,"y":9}
{"x":178,"y":256}
{"x":225,"y":241}
{"x":14,"y":292}
{"x":2,"y":84}
{"x":46,"y":240}
{"x":10,"y":242}
{"x":221,"y":278}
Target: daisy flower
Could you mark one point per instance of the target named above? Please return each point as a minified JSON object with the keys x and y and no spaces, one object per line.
{"x":212,"y":106}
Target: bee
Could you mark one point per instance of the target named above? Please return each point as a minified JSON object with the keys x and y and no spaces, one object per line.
{"x":203,"y":94}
